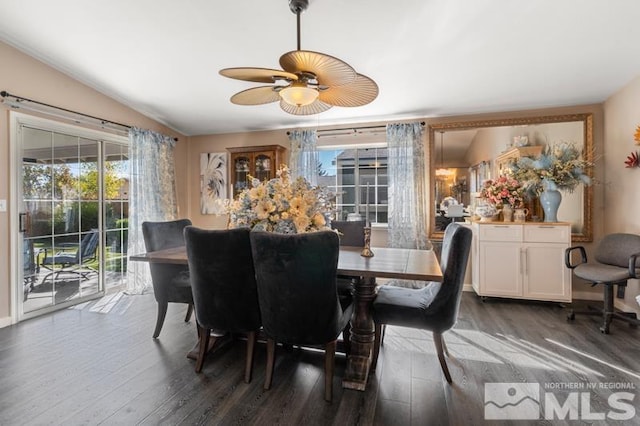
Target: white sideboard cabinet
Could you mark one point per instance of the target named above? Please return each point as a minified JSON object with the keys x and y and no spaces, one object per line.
{"x":521,"y":260}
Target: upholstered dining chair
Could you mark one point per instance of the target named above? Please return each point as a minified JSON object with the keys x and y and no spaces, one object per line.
{"x":297,"y":293}
{"x":224,"y":287}
{"x":351,"y":233}
{"x":170,"y":282}
{"x":616,"y":260}
{"x":434,"y":307}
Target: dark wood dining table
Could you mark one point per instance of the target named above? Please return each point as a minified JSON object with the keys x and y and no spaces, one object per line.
{"x":407,"y":264}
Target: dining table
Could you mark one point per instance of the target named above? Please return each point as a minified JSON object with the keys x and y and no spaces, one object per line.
{"x":391,"y":263}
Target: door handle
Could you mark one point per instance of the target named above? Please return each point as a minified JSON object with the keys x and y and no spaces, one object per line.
{"x":24,"y":222}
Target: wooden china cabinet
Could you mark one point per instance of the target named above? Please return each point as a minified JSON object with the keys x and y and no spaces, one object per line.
{"x":261,"y":162}
{"x":514,"y":154}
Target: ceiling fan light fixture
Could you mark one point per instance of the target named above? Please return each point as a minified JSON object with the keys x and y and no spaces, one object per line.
{"x":299,"y":94}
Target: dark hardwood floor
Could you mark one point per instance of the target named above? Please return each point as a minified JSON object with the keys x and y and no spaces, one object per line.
{"x":97,"y":364}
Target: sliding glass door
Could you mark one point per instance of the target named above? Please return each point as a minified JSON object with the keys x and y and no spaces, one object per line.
{"x":73,"y":201}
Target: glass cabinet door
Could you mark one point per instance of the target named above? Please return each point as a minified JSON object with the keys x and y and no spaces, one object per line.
{"x":241,"y":169}
{"x":259,"y":162}
{"x":263,"y":164}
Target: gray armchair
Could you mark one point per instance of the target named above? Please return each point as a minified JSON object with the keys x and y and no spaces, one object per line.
{"x":434,"y":307}
{"x":616,"y":260}
{"x":170,"y":282}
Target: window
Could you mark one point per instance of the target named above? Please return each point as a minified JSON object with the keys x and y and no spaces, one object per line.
{"x":348,"y":172}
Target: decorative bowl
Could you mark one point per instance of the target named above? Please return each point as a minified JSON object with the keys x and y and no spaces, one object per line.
{"x":486,"y":212}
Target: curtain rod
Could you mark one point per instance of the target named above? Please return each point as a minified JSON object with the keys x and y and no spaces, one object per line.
{"x":355,"y":129}
{"x":103,"y":121}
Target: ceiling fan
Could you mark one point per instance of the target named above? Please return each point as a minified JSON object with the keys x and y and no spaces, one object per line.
{"x":309,"y":82}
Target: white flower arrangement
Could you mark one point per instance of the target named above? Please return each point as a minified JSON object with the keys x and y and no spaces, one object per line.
{"x":282,"y":205}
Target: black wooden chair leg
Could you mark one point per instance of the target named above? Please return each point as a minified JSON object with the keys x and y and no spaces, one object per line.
{"x":205,"y":335}
{"x":437,"y":339}
{"x":251,"y":343}
{"x":162,"y":313}
{"x":444,"y":346}
{"x":346,"y":338}
{"x":329,"y":360}
{"x":271,"y":349}
{"x":189,"y":312}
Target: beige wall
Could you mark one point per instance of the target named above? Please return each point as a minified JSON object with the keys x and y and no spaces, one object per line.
{"x":24,"y":76}
{"x":622,"y":195}
{"x":220,"y":143}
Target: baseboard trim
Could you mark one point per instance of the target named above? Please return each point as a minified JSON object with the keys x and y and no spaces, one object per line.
{"x":5,"y":322}
{"x":586,"y":295}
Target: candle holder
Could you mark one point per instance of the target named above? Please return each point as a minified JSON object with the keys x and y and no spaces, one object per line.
{"x":366,"y":250}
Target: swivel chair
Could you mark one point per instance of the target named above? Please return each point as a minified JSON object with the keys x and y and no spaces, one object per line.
{"x":616,"y":260}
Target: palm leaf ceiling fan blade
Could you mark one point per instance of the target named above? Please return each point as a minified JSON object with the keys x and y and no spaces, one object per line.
{"x":259,"y":75}
{"x":256,"y":96}
{"x":329,"y":71}
{"x":360,"y":91}
{"x":314,"y":108}
{"x":314,"y":82}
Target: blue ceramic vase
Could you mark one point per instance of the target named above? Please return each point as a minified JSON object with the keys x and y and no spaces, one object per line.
{"x":550,"y":202}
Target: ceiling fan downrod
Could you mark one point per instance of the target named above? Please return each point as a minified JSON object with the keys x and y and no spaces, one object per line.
{"x":297,"y":7}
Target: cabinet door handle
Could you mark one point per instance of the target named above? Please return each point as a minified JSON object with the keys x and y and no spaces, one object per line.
{"x":523,"y":261}
{"x":546,"y":226}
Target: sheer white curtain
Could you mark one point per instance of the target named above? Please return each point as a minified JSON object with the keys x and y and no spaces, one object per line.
{"x":152,"y":195}
{"x":304,"y":158}
{"x":407,"y":195}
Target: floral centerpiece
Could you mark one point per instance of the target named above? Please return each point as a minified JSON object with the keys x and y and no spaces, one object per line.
{"x":559,"y":167}
{"x":503,"y":191}
{"x":282,"y":205}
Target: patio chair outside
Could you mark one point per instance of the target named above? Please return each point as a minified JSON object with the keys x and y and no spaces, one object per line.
{"x":70,"y":263}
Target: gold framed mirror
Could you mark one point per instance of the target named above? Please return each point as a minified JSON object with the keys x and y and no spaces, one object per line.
{"x":464,"y":153}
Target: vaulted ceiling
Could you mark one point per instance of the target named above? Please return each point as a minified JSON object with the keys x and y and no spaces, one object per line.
{"x":429,"y":57}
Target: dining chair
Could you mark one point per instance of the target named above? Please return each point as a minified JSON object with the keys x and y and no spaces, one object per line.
{"x":433,"y":307}
{"x":170,"y":282}
{"x":296,"y":277}
{"x":615,"y":262}
{"x":351,"y":233}
{"x":224,"y":287}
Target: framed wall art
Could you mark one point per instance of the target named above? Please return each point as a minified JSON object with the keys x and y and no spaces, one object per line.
{"x":213,"y":182}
